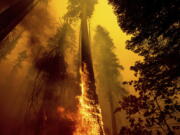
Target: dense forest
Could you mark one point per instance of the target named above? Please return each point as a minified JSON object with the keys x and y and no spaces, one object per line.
{"x":62,"y":74}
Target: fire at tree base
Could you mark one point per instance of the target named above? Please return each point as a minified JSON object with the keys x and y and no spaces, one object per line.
{"x":89,"y":120}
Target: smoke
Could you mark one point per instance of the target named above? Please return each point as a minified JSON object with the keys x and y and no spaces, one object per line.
{"x":38,"y":22}
{"x":12,"y":95}
{"x":38,"y":26}
{"x":8,"y":44}
{"x":53,"y":86}
{"x":22,"y":56}
{"x":77,"y":7}
{"x":52,"y":62}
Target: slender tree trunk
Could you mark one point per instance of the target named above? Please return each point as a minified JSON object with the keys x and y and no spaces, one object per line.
{"x":13,"y":15}
{"x":86,"y":58}
{"x":113,"y":118}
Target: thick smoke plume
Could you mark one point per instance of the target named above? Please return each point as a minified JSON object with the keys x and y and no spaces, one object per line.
{"x":22,"y":56}
{"x":38,"y":26}
{"x":51,"y":81}
{"x":9,"y":44}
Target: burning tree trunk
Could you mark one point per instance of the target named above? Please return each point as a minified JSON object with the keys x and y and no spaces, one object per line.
{"x":89,"y":96}
{"x":13,"y":15}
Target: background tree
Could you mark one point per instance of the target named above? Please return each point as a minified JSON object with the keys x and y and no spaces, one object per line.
{"x":52,"y":85}
{"x":155,"y":29}
{"x":108,"y":79}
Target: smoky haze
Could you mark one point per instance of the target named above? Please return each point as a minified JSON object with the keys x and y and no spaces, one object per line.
{"x":8,"y":44}
{"x":54,"y":87}
{"x":77,"y":7}
{"x":108,"y":79}
{"x":49,"y":78}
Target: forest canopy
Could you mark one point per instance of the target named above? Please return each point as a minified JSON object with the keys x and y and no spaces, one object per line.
{"x":155,"y":29}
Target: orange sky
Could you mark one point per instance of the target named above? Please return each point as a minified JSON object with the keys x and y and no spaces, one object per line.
{"x":104,"y":16}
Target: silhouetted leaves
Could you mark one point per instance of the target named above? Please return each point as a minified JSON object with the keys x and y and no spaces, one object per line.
{"x":155,"y":30}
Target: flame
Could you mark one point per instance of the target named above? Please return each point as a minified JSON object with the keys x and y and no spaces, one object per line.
{"x":63,"y":113}
{"x":89,"y":120}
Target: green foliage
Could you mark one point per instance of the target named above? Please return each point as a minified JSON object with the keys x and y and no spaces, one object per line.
{"x":155,"y":30}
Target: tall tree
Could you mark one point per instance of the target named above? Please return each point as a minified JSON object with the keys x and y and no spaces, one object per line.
{"x":51,"y":66}
{"x":78,"y":7}
{"x":83,"y":10}
{"x":155,"y":29}
{"x":107,"y":78}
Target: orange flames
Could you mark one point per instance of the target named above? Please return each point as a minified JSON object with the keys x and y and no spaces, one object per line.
{"x":88,"y":118}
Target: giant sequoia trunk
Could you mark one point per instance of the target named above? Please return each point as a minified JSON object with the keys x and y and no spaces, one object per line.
{"x":86,"y":58}
{"x":10,"y":17}
{"x":86,"y":64}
